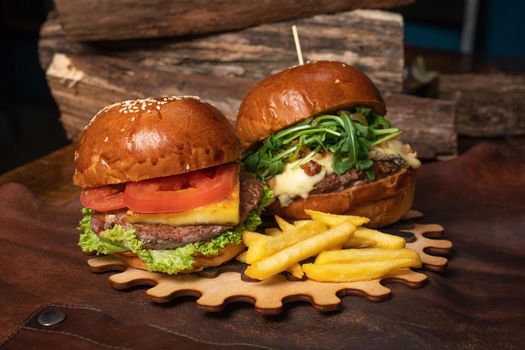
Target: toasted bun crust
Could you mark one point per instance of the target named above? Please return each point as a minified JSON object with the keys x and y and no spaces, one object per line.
{"x":383,"y":201}
{"x":142,"y":139}
{"x":229,"y":252}
{"x":298,"y":93}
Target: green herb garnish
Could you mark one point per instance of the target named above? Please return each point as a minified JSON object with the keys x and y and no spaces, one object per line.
{"x":348,"y":135}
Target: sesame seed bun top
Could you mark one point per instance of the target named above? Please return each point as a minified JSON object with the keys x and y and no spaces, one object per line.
{"x":153,"y":137}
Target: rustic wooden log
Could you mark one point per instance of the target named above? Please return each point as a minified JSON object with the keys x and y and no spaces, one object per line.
{"x":125,"y":19}
{"x":488,"y":104}
{"x":369,"y":39}
{"x":428,"y":124}
{"x":83,"y":84}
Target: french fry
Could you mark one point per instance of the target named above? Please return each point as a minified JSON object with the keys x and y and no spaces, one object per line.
{"x":296,"y":270}
{"x":363,"y":271}
{"x":358,"y":242}
{"x":283,"y":224}
{"x":241,"y":257}
{"x":272,"y":231}
{"x":271,"y":245}
{"x":347,"y":256}
{"x":334,"y":220}
{"x":382,"y":240}
{"x":301,"y":222}
{"x":336,"y":247}
{"x":250,"y":238}
{"x":291,"y":255}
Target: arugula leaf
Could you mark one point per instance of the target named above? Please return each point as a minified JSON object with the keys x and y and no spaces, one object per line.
{"x":364,"y":164}
{"x":371,"y":174}
{"x":379,"y":121}
{"x":348,"y":135}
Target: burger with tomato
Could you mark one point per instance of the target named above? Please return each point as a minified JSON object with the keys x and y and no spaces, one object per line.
{"x":318,"y":136}
{"x":162,"y":186}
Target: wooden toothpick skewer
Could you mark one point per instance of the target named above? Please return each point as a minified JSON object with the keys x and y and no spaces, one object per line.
{"x":297,"y":45}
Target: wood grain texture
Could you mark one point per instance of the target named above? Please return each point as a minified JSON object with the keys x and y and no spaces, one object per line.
{"x":488,"y":104}
{"x":268,"y":296}
{"x":125,"y":19}
{"x":85,"y":77}
{"x":82,"y":85}
{"x":427,"y":124}
{"x":370,"y":40}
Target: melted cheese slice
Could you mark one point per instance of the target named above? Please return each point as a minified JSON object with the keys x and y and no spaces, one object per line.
{"x":225,"y":212}
{"x":395,"y":149}
{"x":293,"y":182}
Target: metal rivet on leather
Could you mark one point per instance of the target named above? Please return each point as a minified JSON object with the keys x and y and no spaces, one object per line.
{"x":51,"y":317}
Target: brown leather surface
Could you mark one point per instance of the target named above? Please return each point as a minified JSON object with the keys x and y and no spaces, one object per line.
{"x":98,"y":330}
{"x":478,"y":303}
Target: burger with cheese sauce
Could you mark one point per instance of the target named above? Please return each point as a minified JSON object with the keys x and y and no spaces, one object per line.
{"x":162,"y":186}
{"x":317,"y":135}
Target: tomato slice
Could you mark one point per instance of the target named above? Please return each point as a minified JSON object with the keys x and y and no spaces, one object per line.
{"x":103,"y":198}
{"x":179,"y":193}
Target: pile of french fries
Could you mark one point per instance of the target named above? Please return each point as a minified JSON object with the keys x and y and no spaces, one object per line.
{"x":345,"y":251}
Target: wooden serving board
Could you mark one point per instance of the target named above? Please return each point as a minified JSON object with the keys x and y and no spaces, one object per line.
{"x":217,"y":287}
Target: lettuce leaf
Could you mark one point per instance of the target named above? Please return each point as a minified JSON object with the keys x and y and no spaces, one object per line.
{"x":90,"y":242}
{"x":119,"y":239}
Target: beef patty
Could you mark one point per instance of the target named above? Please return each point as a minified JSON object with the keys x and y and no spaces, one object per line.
{"x":160,"y":236}
{"x":354,"y":177}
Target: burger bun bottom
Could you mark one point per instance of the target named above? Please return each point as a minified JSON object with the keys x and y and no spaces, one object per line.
{"x":200,"y":262}
{"x":383,"y":201}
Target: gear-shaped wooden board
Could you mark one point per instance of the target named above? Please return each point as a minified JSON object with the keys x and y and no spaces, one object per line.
{"x":226,"y":284}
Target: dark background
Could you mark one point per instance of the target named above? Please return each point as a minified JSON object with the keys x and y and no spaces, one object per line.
{"x":29,"y":124}
{"x":29,"y":119}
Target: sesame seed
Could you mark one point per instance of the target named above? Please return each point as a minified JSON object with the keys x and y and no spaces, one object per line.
{"x":337,"y":81}
{"x":147,"y":104}
{"x":106,"y":139}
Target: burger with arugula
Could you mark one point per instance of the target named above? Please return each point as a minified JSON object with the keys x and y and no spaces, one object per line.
{"x":318,"y":136}
{"x":162,"y":186}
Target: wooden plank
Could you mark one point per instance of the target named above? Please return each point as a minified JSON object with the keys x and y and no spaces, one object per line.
{"x":369,"y":39}
{"x":226,"y":285}
{"x":84,"y":84}
{"x":85,"y":20}
{"x":488,"y":104}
